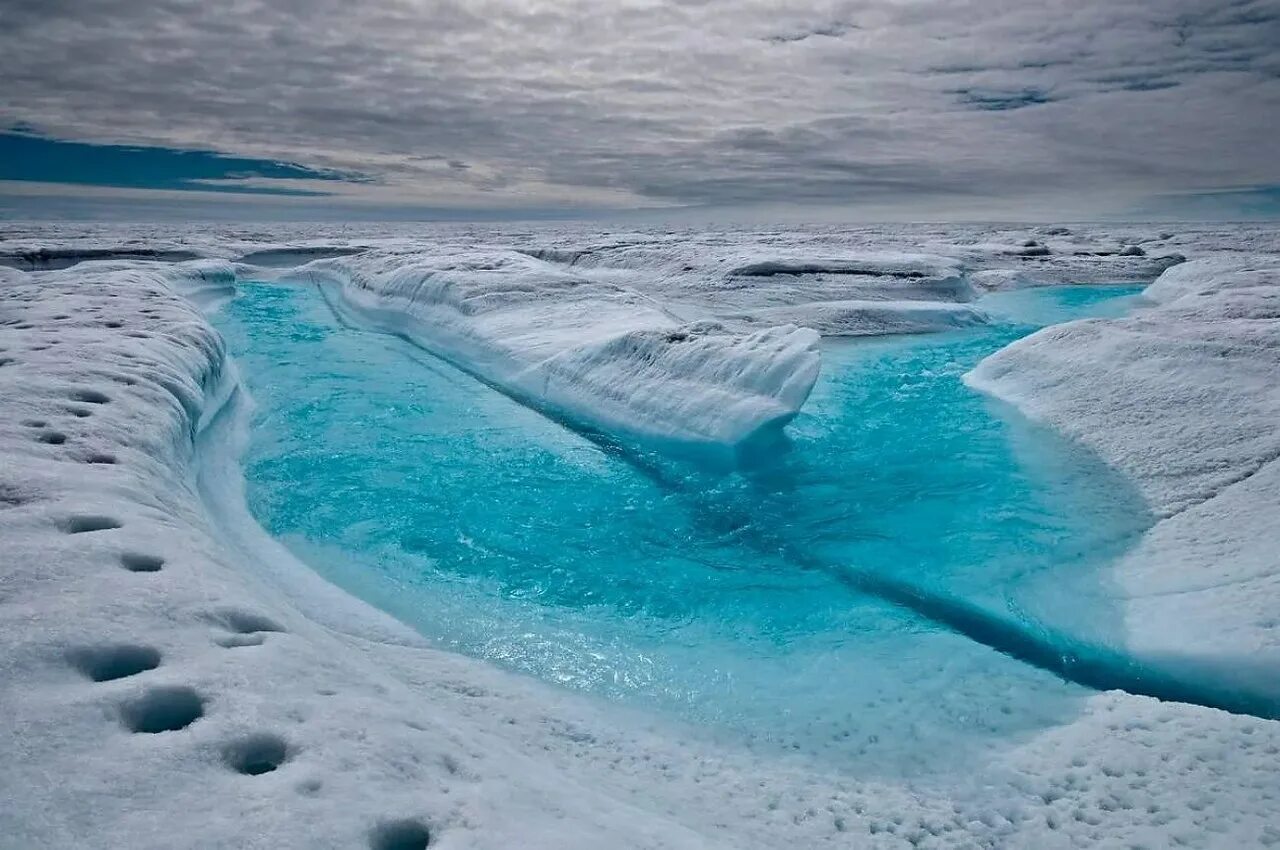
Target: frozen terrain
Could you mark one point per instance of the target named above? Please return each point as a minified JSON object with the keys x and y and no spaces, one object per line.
{"x":1184,"y":398}
{"x":598,"y":354}
{"x":731,"y":598}
{"x":173,"y":676}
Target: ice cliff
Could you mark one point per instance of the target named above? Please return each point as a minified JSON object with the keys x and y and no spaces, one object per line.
{"x":599,"y":355}
{"x":1184,"y":398}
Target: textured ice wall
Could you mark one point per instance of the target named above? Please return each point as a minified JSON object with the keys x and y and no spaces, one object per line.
{"x":598,"y":354}
{"x":1184,"y":398}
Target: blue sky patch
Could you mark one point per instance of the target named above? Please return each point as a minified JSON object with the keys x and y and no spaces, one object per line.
{"x":34,"y":158}
{"x":1243,"y":203}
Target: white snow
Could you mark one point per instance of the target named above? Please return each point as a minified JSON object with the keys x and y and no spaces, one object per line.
{"x":1184,"y":398}
{"x":596,"y":353}
{"x":125,"y":542}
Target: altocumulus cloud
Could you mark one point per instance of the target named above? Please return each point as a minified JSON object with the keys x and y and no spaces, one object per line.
{"x":500,"y":104}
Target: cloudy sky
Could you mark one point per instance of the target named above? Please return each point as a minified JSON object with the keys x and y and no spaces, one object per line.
{"x":918,"y":108}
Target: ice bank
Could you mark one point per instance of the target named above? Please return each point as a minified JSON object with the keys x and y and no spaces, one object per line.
{"x":1184,"y":398}
{"x":596,"y":354}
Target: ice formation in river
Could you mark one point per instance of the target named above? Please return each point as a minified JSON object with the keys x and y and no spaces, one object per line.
{"x":171,"y":677}
{"x":596,"y":353}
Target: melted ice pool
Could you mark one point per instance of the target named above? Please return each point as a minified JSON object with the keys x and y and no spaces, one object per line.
{"x":805,"y":602}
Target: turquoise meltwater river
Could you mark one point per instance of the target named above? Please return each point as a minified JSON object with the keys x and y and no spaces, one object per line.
{"x":859,"y":595}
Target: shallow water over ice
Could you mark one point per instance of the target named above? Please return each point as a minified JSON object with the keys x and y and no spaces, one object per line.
{"x":753,"y":601}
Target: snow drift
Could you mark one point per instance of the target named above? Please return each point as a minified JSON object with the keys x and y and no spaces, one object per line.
{"x":1184,"y":398}
{"x":596,"y":354}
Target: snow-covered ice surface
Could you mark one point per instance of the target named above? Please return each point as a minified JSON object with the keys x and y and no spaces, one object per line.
{"x":601,"y":355}
{"x":172,"y":678}
{"x":1185,"y":399}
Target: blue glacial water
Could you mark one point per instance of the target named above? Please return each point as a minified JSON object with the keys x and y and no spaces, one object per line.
{"x":799,"y":603}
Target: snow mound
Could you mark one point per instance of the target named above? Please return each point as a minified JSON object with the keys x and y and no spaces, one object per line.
{"x":1183,"y":398}
{"x":594,"y":353}
{"x":1214,"y":274}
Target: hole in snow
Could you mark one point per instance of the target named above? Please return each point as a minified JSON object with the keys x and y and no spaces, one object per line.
{"x":163,"y":710}
{"x":400,"y":835}
{"x":256,"y":754}
{"x":5,"y":361}
{"x":34,"y":423}
{"x":79,"y":411}
{"x":135,"y":562}
{"x":105,"y":663}
{"x":89,"y":522}
{"x":100,"y":458}
{"x":53,"y":438}
{"x":114,"y":323}
{"x":244,"y":622}
{"x":91,"y":396}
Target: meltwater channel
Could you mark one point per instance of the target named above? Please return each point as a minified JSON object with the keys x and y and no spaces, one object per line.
{"x":751,"y":601}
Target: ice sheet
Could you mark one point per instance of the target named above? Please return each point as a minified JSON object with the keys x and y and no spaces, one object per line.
{"x":113,"y":389}
{"x":1184,"y":398}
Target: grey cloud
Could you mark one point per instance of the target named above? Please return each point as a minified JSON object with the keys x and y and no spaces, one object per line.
{"x":709,"y":102}
{"x":835,"y":29}
{"x":998,"y":101}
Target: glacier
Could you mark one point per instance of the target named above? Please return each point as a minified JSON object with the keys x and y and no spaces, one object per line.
{"x":1183,"y":398}
{"x":596,"y":353}
{"x":168,"y":663}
